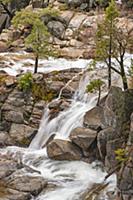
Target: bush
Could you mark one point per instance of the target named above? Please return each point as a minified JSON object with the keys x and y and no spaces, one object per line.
{"x":25,"y":82}
{"x":121,"y":155}
{"x":40,"y":92}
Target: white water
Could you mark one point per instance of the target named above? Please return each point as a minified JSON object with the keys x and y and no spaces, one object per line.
{"x":15,"y":63}
{"x":71,"y":178}
{"x":67,"y":120}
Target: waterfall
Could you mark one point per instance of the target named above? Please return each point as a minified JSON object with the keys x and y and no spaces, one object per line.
{"x":68,"y":119}
{"x":70,"y":179}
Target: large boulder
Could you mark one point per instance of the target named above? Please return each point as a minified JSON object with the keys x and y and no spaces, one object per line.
{"x":10,"y":194}
{"x":22,"y":134}
{"x":103,"y":137}
{"x":94,"y":118}
{"x":29,"y":184}
{"x":86,"y":140}
{"x":63,"y":150}
{"x":56,"y":28}
{"x":7,"y":166}
{"x":74,"y":3}
{"x":83,"y":137}
{"x":3,"y":46}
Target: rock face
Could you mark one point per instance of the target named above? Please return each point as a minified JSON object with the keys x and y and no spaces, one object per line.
{"x":21,"y":112}
{"x":94,"y":118}
{"x":63,"y":150}
{"x":86,"y":140}
{"x":28,"y":184}
{"x":15,"y":182}
{"x":125,"y":175}
{"x":83,"y":137}
{"x":56,"y":28}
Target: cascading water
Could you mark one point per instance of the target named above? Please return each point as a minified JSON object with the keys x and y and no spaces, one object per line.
{"x":69,"y":178}
{"x":67,"y":120}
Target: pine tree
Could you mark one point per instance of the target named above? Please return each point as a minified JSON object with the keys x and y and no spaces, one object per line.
{"x":38,"y":39}
{"x":95,"y":85}
{"x":104,"y":37}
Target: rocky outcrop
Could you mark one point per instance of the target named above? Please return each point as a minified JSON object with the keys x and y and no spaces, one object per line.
{"x":94,"y":118}
{"x":125,"y":175}
{"x":15,"y":182}
{"x":21,"y":111}
{"x":86,"y":140}
{"x":83,"y":137}
{"x":63,"y":150}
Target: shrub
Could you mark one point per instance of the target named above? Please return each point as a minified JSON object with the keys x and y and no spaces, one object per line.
{"x":25,"y":82}
{"x":121,"y":155}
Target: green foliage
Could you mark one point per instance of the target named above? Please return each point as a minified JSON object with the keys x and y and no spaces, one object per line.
{"x":49,"y":11}
{"x":40,"y":92}
{"x":131,"y":69}
{"x":105,"y":33}
{"x":121,"y":155}
{"x":111,"y":12}
{"x":94,"y":85}
{"x":38,"y":39}
{"x":24,"y":17}
{"x":5,"y":1}
{"x":25,"y":82}
{"x":92,"y":65}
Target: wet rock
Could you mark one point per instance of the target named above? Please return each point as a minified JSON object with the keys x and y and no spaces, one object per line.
{"x":94,"y":118}
{"x":10,"y":194}
{"x":63,"y":150}
{"x":83,"y":137}
{"x":22,"y":134}
{"x":28,"y":184}
{"x":7,"y":166}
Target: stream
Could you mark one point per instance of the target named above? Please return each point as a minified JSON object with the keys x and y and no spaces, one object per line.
{"x":70,"y":179}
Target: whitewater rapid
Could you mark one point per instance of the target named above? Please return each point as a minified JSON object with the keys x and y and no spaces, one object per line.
{"x":71,"y":178}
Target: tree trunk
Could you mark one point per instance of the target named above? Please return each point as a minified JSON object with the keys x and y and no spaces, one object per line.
{"x":109,"y":64}
{"x":123,"y":74}
{"x":7,"y":10}
{"x":99,"y":96}
{"x":36,"y":64}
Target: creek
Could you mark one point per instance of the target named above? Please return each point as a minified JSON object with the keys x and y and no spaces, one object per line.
{"x":69,"y":179}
